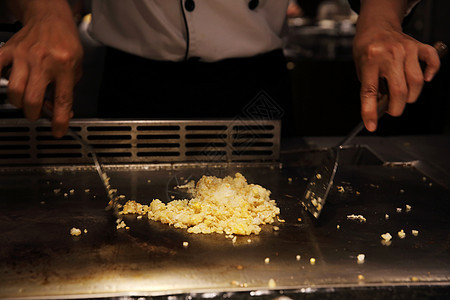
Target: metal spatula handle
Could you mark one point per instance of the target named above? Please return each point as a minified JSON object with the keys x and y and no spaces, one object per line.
{"x":382,"y":106}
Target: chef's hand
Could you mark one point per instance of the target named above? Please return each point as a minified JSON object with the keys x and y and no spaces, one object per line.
{"x":382,"y":50}
{"x":46,"y":50}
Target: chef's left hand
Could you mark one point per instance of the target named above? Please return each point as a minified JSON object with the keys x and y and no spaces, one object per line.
{"x":382,"y":50}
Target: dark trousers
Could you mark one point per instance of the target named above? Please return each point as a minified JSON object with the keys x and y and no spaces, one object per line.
{"x":134,"y":87}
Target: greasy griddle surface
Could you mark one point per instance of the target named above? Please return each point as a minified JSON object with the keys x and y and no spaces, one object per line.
{"x":39,"y":258}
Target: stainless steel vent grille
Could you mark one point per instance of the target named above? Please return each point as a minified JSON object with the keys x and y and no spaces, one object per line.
{"x":143,"y":141}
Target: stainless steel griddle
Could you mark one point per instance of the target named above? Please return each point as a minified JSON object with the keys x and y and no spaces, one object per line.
{"x":40,"y":203}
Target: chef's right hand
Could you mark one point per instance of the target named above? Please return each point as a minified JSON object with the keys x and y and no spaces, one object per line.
{"x":382,"y":50}
{"x":46,"y":50}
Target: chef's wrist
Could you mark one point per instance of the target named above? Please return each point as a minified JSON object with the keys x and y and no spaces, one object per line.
{"x":383,"y":13}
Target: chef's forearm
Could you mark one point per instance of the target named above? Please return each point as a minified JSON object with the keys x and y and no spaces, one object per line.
{"x":27,"y":10}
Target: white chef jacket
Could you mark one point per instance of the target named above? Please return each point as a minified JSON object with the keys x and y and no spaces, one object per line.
{"x":217,"y":29}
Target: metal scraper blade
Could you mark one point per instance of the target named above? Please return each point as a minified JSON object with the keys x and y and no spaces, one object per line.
{"x":110,"y":192}
{"x":320,"y":183}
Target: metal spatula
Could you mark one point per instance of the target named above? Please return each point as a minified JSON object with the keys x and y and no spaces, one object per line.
{"x":320,"y":184}
{"x":47,"y":113}
{"x":110,"y":192}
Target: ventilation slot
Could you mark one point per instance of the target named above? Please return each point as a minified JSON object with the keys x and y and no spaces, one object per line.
{"x":158,"y":154}
{"x":57,"y":146}
{"x":205,"y":136}
{"x":51,"y":138}
{"x":203,"y":145}
{"x":159,"y":145}
{"x":161,"y":137}
{"x":108,"y":137}
{"x":253,"y":128}
{"x":58,"y":155}
{"x":158,"y":128}
{"x":13,"y":138}
{"x":111,"y":146}
{"x":14,"y":129}
{"x":14,"y":147}
{"x":112,"y":154}
{"x":209,"y":128}
{"x":108,"y":128}
{"x":49,"y":129}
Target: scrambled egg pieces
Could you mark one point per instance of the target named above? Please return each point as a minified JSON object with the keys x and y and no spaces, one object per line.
{"x":229,"y":205}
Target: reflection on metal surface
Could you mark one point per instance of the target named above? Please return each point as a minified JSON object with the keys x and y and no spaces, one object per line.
{"x":320,"y":183}
{"x":39,"y":258}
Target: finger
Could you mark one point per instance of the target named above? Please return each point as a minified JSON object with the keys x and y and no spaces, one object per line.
{"x":34,"y":94}
{"x":398,"y":89}
{"x":17,"y":83}
{"x":368,"y":95}
{"x":6,"y":58}
{"x":62,"y":110}
{"x":430,"y":57}
{"x":414,"y":77}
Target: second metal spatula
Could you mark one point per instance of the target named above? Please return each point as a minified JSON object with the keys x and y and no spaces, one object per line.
{"x":320,"y":184}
